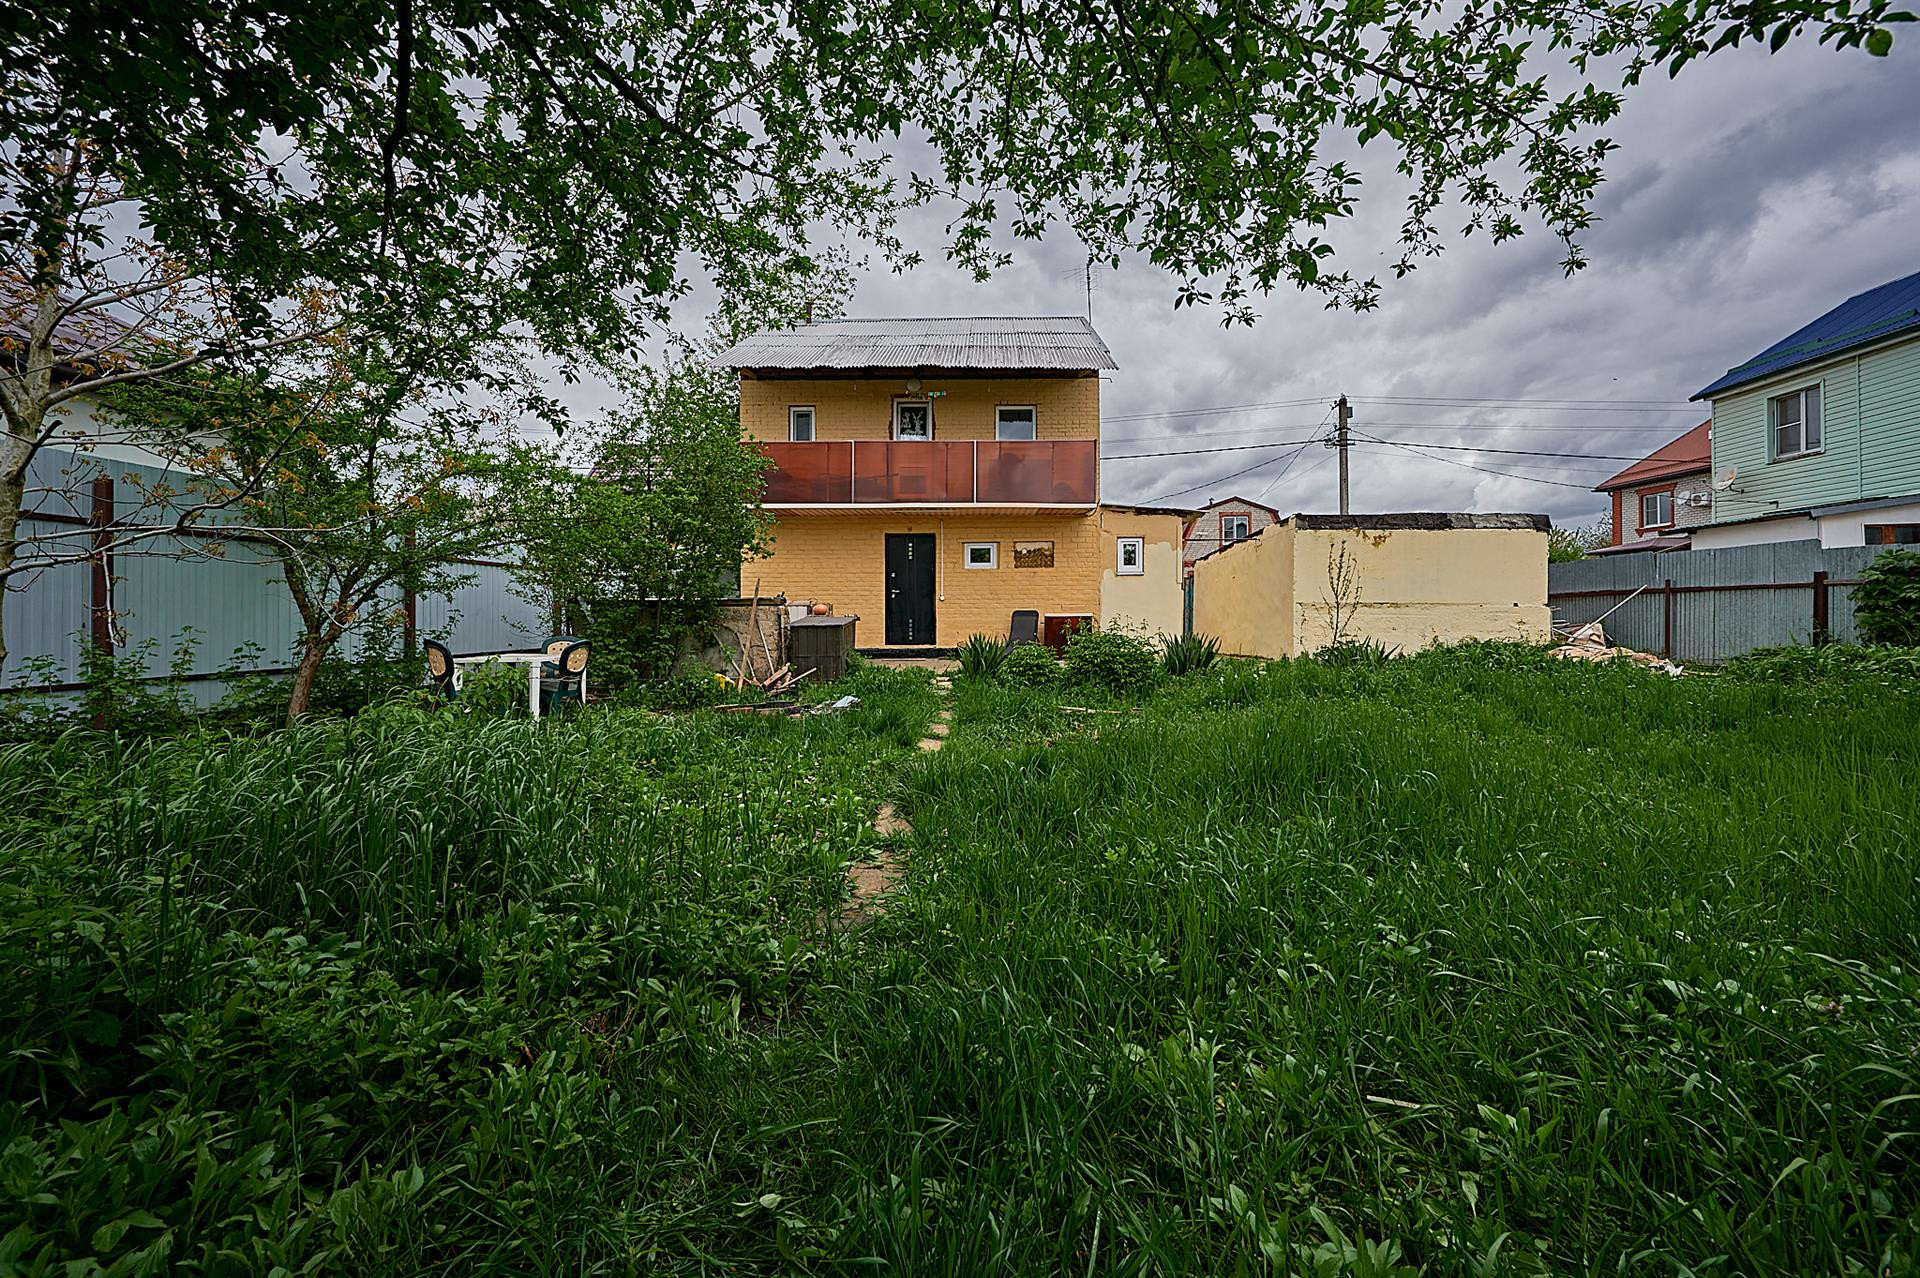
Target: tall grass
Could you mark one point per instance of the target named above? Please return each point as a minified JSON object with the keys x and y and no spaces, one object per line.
{"x":1467,"y":963}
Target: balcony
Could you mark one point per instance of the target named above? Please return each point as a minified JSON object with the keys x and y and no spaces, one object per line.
{"x":960,"y":472}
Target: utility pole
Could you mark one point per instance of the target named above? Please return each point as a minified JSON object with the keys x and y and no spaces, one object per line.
{"x":1341,"y":442}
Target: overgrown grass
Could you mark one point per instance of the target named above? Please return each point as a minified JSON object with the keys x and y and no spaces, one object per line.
{"x":1470,"y":963}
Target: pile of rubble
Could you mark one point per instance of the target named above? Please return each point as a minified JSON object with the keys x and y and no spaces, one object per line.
{"x":1589,"y":643}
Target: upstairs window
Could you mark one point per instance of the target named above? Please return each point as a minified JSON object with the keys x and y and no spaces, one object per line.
{"x":1656,"y":509}
{"x":912,"y":419}
{"x":800,"y":425}
{"x":1795,"y":419}
{"x":1235,"y":528}
{"x":1014,"y":422}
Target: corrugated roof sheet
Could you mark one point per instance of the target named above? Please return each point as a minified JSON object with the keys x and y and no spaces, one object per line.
{"x":1875,"y":314}
{"x":1692,"y":451}
{"x":1052,"y":343}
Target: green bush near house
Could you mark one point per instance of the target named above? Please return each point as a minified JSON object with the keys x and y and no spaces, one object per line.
{"x":1031,"y":665}
{"x":1886,"y":603}
{"x":1112,"y":660}
{"x":1184,"y":654}
{"x":981,"y":656}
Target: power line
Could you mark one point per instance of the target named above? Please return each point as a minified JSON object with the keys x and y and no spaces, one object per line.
{"x":1451,"y":461}
{"x":1567,"y":405}
{"x":1517,"y":452}
{"x":1222,"y":408}
{"x":1189,"y":452}
{"x":1531,"y":427}
{"x":1208,"y":483}
{"x":1531,"y":405}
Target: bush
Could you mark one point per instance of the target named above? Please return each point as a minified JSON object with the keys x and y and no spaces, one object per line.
{"x":1831,"y":662}
{"x":1189,"y":653}
{"x":1887,"y":601}
{"x":1031,"y":665}
{"x":688,"y":690}
{"x":981,"y":656}
{"x":1111,"y":659}
{"x":1354,"y":652}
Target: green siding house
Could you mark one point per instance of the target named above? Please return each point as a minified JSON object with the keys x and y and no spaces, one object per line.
{"x":1818,"y":436}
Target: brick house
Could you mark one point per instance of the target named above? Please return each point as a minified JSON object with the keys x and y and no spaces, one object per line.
{"x":1664,"y":495}
{"x":933,"y":476}
{"x":1221,"y":524}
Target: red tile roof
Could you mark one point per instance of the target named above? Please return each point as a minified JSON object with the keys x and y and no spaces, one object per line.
{"x":1691,"y":452}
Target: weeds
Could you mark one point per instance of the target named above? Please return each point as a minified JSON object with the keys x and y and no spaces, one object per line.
{"x":981,"y":656}
{"x":1185,"y":654}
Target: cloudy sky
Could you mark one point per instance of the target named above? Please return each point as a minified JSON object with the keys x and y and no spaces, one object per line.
{"x":1747,"y":196}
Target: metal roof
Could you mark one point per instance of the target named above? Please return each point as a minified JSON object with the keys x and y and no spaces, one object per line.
{"x":1691,"y":452}
{"x":1052,"y":343}
{"x":1869,"y":317}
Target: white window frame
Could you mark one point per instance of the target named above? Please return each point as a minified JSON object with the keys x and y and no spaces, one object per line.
{"x":993,"y":554}
{"x":912,"y":403}
{"x":1246,"y":522}
{"x":1656,"y":523}
{"x":999,"y":425}
{"x":793,"y":423}
{"x":1139,"y":546}
{"x":1807,"y":404}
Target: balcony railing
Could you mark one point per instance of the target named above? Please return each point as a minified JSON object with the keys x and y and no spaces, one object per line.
{"x":937,"y":472}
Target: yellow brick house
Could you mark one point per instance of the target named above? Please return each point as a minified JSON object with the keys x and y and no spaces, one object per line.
{"x":935,"y":475}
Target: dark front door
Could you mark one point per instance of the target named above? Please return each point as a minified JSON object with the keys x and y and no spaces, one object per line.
{"x":909,"y":588}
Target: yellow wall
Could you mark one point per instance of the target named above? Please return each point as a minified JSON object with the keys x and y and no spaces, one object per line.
{"x":841,"y":559}
{"x":847,"y":408}
{"x":1153,"y":599}
{"x":1410,"y":588}
{"x":1243,"y":595}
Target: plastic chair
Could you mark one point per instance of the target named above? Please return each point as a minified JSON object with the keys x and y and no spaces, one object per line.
{"x":565,"y":686}
{"x":440,"y":666}
{"x":553,"y":646}
{"x":1025,"y":628}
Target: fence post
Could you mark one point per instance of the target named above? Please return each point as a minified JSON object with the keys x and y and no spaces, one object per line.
{"x":410,"y":621}
{"x":101,"y":602}
{"x":1666,"y":620}
{"x":1822,"y":633}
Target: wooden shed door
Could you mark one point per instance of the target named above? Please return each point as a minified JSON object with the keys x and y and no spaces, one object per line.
{"x":909,"y":588}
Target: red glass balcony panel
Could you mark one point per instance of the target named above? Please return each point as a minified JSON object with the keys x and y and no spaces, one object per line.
{"x":1056,"y":472}
{"x":913,"y":470}
{"x":935,"y":472}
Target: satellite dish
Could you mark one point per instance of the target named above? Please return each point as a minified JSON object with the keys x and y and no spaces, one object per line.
{"x":1723,"y":482}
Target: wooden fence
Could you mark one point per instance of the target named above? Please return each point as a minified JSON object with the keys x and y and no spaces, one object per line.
{"x":1712,"y":605}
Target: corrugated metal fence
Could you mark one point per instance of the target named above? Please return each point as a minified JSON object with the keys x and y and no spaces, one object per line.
{"x":1713,"y":605}
{"x":150,"y":601}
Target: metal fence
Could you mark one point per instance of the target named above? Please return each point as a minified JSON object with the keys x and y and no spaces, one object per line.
{"x":1712,"y":605}
{"x":149,"y":602}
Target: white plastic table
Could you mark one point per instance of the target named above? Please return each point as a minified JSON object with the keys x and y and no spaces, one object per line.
{"x":531,"y":660}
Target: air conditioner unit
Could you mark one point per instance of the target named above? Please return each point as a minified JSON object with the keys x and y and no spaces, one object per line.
{"x":1696,"y":499}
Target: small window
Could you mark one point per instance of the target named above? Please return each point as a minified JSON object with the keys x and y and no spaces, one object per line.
{"x":800,"y":425}
{"x":1033,"y":554}
{"x":1235,"y":528}
{"x":1893,"y":534}
{"x":1795,"y":420}
{"x":912,"y":419}
{"x":1131,"y":556}
{"x":983,"y":554}
{"x":1656,"y":509}
{"x":1013,"y":422}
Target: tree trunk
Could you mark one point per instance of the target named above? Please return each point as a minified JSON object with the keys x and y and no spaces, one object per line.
{"x":312,"y":654}
{"x":13,"y":495}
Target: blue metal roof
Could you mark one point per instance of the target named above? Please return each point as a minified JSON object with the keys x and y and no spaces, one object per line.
{"x":1875,"y":314}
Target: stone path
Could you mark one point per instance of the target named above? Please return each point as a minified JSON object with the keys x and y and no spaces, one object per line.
{"x":870,"y":881}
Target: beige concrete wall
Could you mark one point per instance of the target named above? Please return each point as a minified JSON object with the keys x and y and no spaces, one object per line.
{"x":1243,"y":596}
{"x":850,"y":408}
{"x":1274,"y":596}
{"x":1152,"y":599}
{"x":841,"y":559}
{"x":1414,"y":588}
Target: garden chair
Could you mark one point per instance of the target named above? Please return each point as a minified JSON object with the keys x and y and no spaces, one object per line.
{"x":565,"y":686}
{"x":439,"y":666}
{"x":1025,"y":628}
{"x":553,"y":646}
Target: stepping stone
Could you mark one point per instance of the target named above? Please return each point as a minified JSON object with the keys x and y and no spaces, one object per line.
{"x":938,"y":728}
{"x":888,"y":824}
{"x":930,"y":744}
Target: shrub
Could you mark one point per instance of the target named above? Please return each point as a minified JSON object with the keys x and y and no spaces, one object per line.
{"x":493,"y":688}
{"x":1831,"y":662}
{"x":1111,"y":659}
{"x":981,"y":656}
{"x":1188,"y":653}
{"x":1887,"y":601}
{"x":1354,"y":652}
{"x":688,"y":690}
{"x":1031,"y":665}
